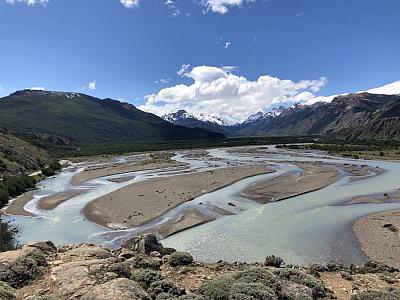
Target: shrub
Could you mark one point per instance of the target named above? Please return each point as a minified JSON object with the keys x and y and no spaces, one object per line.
{"x":318,"y":288}
{"x":180,"y":259}
{"x":273,"y":261}
{"x":146,"y":277}
{"x":219,"y":287}
{"x":167,"y":287}
{"x":6,"y":292}
{"x":260,"y":275}
{"x":37,"y":256}
{"x":251,"y":291}
{"x":377,"y":295}
{"x":146,"y":263}
{"x":121,"y":269}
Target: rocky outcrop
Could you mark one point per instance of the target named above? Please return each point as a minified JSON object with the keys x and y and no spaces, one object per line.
{"x":143,"y":269}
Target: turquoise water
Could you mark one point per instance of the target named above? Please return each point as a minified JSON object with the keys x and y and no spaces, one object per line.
{"x":315,"y":227}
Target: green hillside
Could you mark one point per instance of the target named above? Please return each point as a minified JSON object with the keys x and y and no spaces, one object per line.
{"x":72,"y":118}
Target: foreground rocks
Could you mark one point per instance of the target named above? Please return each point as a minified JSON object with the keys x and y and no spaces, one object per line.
{"x":145,"y":270}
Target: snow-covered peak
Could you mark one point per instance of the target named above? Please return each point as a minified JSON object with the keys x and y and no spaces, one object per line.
{"x":389,"y":89}
{"x":262,"y":115}
{"x":184,"y":115}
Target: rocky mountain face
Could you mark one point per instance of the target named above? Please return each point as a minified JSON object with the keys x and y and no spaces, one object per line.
{"x":353,"y":116}
{"x":143,"y":269}
{"x":76,"y":118}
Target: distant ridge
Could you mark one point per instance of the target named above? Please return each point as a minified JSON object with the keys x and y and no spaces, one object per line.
{"x":82,"y":119}
{"x":354,"y":116}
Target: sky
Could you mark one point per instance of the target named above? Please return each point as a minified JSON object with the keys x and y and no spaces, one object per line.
{"x":224,"y":57}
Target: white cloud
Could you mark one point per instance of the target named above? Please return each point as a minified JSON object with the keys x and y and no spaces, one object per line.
{"x":29,"y":2}
{"x":129,"y":3}
{"x":183,"y":71}
{"x":218,"y":91}
{"x":222,"y":6}
{"x":92,"y":85}
{"x":37,"y":88}
{"x":164,"y":80}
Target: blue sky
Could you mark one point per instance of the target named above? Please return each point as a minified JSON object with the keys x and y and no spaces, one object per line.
{"x":335,"y":46}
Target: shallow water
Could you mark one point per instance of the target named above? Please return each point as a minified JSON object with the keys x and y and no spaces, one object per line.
{"x":315,"y":227}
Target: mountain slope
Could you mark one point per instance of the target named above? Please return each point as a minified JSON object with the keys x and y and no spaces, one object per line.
{"x":82,"y":119}
{"x":362,"y":115}
{"x":18,"y":156}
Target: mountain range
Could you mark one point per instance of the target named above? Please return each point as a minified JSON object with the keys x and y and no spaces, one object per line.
{"x":75,"y":118}
{"x":361,"y":115}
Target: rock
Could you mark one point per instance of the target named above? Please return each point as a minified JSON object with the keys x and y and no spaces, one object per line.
{"x":295,"y":291}
{"x":85,"y":251}
{"x":78,"y":277}
{"x":155,"y":254}
{"x":6,"y":292}
{"x":120,"y":288}
{"x":165,"y":259}
{"x":126,"y":254}
{"x":146,"y":244}
{"x":273,"y":261}
{"x":48,"y":248}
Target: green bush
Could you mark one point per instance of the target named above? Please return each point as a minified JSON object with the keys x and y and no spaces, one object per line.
{"x":260,"y":275}
{"x":37,"y":256}
{"x":165,"y":287}
{"x":377,"y":295}
{"x":219,"y":288}
{"x":6,"y":292}
{"x":251,"y":291}
{"x":180,"y":259}
{"x":146,"y":263}
{"x":146,"y":277}
{"x":318,"y":288}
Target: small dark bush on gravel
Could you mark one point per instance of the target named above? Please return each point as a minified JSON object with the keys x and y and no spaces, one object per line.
{"x":273,"y":261}
{"x":180,"y":259}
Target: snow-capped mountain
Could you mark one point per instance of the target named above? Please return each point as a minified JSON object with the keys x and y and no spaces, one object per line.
{"x":209,"y":122}
{"x":262,"y":115}
{"x":182,"y":115}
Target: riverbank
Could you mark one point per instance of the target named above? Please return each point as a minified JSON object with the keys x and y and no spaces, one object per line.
{"x":141,"y":202}
{"x":379,"y":238}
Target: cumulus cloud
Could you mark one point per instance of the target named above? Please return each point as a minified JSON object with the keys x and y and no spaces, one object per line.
{"x":222,"y":6}
{"x":217,"y":91}
{"x":92,"y":86}
{"x":29,"y":2}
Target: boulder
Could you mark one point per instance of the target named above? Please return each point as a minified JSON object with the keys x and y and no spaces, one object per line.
{"x":120,"y":288}
{"x":146,"y":244}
